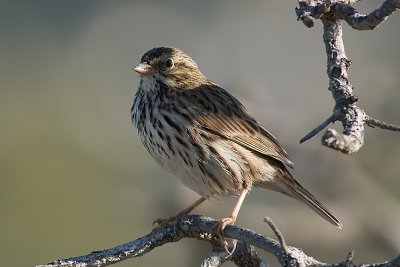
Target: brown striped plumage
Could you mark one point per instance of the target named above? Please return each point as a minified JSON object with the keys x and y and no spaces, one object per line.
{"x":205,"y":137}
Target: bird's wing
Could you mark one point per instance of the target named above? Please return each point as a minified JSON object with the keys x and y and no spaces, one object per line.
{"x":219,"y":113}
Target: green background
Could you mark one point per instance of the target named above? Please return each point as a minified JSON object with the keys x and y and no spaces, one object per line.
{"x":75,"y":178}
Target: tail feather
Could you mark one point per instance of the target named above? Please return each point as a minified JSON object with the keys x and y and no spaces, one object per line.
{"x":303,"y":195}
{"x":295,"y":190}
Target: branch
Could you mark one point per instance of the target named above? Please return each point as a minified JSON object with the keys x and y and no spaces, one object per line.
{"x":365,"y":22}
{"x":200,"y":227}
{"x":353,"y":118}
{"x":309,"y":10}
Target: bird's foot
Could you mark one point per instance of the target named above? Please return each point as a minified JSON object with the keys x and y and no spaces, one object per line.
{"x":220,"y":229}
{"x":161,"y":222}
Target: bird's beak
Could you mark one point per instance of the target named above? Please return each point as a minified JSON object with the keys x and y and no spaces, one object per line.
{"x":144,"y":69}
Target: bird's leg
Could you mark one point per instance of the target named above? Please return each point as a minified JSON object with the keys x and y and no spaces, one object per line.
{"x":162,"y":222}
{"x":230,"y":221}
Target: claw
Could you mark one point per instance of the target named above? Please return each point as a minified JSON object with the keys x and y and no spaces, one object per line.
{"x":220,"y":227}
{"x":162,"y":222}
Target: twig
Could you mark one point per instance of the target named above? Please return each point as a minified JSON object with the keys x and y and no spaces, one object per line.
{"x":319,"y":128}
{"x":349,"y":259}
{"x":353,"y":118}
{"x":200,"y":227}
{"x":278,"y":234}
{"x":371,"y":122}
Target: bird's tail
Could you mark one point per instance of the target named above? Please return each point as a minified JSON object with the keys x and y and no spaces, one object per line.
{"x":286,"y":184}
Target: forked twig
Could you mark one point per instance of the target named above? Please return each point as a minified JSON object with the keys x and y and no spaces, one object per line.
{"x":353,"y":118}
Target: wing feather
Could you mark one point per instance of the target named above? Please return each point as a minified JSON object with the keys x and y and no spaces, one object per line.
{"x":219,"y":113}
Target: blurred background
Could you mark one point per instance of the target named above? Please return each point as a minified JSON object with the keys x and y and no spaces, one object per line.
{"x":74,"y":176}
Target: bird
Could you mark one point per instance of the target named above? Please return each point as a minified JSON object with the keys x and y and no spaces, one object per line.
{"x":206,"y":138}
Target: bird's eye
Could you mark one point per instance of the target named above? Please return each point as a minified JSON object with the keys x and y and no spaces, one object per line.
{"x":169,"y":63}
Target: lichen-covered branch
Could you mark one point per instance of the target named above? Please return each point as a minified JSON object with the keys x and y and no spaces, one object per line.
{"x":353,"y":118}
{"x":365,"y":22}
{"x":244,"y":255}
{"x":309,"y":10}
{"x":200,"y":227}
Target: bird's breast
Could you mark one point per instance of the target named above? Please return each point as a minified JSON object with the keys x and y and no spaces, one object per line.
{"x":204,"y":162}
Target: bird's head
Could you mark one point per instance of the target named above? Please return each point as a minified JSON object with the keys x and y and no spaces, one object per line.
{"x":172,"y":67}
